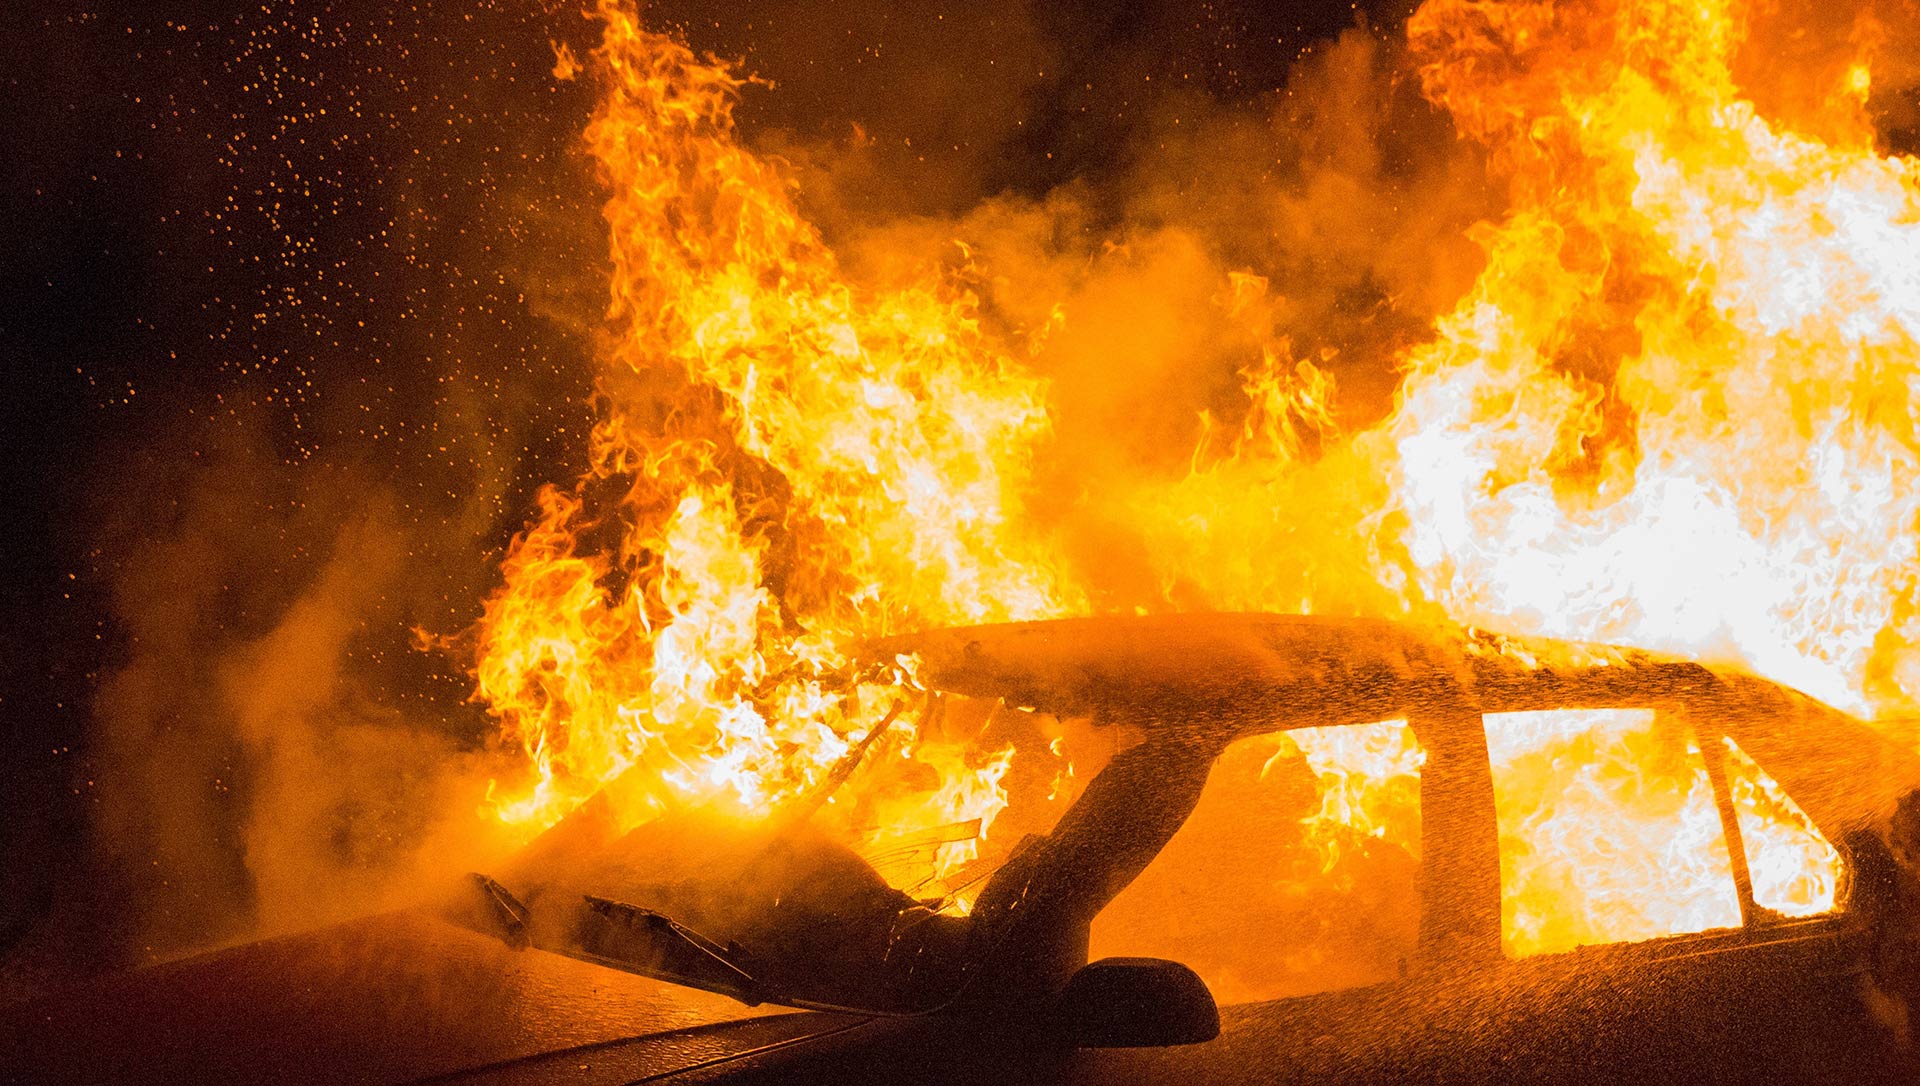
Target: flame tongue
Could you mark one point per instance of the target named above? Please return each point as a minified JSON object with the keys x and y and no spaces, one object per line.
{"x":809,"y":463}
{"x":1677,"y":410}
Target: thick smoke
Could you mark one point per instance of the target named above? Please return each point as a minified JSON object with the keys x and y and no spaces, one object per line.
{"x":259,"y":767}
{"x":1224,"y":244}
{"x":331,"y":307}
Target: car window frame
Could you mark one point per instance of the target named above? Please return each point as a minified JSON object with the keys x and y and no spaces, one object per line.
{"x":1444,"y":699}
{"x":1459,"y":884}
{"x":1701,"y":716}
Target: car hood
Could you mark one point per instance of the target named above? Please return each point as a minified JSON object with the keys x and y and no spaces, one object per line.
{"x":396,"y":997}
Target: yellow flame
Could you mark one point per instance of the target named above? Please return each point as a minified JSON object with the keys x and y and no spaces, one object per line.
{"x":1795,"y":871}
{"x":1369,"y":778}
{"x":1760,"y":294}
{"x":1608,"y":831}
{"x":804,"y":463}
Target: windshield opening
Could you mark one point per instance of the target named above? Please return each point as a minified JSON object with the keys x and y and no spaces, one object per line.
{"x":854,"y":893}
{"x":1014,"y":770}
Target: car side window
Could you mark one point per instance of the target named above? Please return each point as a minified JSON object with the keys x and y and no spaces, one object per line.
{"x":1297,"y":872}
{"x":1609,"y":831}
{"x":1794,"y":869}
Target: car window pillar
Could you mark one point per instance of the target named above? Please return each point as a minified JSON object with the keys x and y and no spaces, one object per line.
{"x":1714,"y":751}
{"x":1459,"y":837}
{"x":1031,"y":922}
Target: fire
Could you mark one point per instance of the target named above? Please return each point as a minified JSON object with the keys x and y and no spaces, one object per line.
{"x":1741,"y":484}
{"x":1675,"y":410}
{"x":1608,"y":784}
{"x":784,"y":464}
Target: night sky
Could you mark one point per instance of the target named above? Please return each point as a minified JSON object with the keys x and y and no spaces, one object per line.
{"x":261,"y":257}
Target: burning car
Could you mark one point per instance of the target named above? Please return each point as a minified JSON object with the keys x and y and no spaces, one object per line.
{"x":1607,"y":864}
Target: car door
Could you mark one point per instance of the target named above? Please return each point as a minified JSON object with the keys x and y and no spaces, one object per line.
{"x":1328,"y":886}
{"x":1659,"y":910}
{"x":1667,"y":911}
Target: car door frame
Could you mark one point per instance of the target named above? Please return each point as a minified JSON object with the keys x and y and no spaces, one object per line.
{"x":1660,"y":1006}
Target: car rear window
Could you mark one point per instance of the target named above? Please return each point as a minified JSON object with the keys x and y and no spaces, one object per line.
{"x":1795,"y":870}
{"x":1608,"y":830}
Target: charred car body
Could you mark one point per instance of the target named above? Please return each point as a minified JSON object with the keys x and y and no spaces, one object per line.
{"x":1752,"y":975}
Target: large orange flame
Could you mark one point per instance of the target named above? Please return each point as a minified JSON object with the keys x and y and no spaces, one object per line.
{"x":1676,"y":410}
{"x":784,"y":462}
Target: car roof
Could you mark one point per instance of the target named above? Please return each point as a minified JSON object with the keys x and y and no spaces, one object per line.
{"x":1256,"y":673}
{"x":1152,"y":669}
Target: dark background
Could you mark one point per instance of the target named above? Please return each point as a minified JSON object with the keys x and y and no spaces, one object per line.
{"x":257,"y":256}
